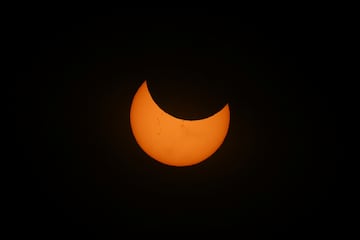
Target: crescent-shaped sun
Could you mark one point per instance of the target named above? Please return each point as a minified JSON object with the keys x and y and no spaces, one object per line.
{"x":173,"y":141}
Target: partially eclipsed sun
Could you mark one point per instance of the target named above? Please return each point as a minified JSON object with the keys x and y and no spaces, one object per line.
{"x":174,"y":141}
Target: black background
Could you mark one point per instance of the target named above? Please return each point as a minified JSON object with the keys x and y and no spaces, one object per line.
{"x":77,"y":71}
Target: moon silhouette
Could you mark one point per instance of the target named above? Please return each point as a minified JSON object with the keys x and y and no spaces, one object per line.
{"x":174,"y":141}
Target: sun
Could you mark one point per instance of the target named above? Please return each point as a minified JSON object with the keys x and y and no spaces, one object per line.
{"x":174,"y":141}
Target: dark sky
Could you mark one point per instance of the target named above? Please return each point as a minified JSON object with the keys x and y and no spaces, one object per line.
{"x":76,"y":76}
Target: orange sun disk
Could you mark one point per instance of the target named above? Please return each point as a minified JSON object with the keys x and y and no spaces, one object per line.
{"x":174,"y":141}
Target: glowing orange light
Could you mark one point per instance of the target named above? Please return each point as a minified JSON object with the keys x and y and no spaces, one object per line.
{"x":174,"y":141}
